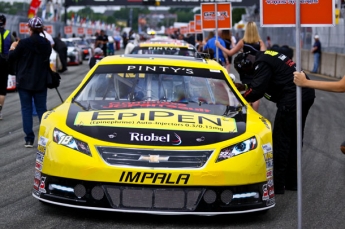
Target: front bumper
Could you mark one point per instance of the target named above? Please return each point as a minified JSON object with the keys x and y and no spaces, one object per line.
{"x":154,"y":199}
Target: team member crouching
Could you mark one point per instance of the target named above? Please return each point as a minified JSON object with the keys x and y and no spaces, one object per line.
{"x":273,"y":79}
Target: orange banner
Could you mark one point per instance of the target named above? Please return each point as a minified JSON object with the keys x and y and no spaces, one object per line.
{"x":89,"y":31}
{"x":197,"y":23}
{"x":80,"y":30}
{"x":34,"y":5}
{"x":208,"y":16}
{"x":68,"y":30}
{"x":23,"y":28}
{"x":276,"y":13}
{"x":191,"y":27}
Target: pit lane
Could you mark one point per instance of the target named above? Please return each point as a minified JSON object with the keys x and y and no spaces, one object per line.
{"x":323,"y":169}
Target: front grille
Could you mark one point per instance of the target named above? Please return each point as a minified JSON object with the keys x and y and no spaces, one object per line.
{"x":154,"y":198}
{"x":154,"y":158}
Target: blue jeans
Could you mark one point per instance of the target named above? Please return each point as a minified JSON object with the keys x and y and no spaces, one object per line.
{"x":316,"y":62}
{"x":40,"y":100}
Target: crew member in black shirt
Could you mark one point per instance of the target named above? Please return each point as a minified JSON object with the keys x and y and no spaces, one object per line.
{"x":102,"y":41}
{"x":272,"y":73}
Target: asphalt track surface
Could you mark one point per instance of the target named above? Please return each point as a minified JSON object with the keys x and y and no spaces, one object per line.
{"x":323,"y":171}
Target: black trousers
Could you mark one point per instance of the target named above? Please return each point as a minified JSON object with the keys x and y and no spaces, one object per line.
{"x":3,"y":75}
{"x":285,"y":143}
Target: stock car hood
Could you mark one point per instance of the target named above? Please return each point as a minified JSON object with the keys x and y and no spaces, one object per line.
{"x":165,"y":124}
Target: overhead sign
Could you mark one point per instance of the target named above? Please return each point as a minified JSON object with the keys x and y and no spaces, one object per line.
{"x":277,"y":13}
{"x":183,"y":3}
{"x":191,"y":27}
{"x":80,"y":30}
{"x":68,"y":30}
{"x":197,"y":23}
{"x":23,"y":28}
{"x":49,"y":29}
{"x":208,"y":16}
{"x":89,"y":31}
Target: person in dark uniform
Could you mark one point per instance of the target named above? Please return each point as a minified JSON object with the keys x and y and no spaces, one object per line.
{"x":102,"y":41}
{"x":5,"y":43}
{"x":61,"y":48}
{"x":273,"y":79}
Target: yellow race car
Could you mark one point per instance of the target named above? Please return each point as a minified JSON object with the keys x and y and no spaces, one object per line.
{"x":156,"y":134}
{"x":170,"y":47}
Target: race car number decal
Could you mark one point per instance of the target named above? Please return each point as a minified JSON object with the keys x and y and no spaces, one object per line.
{"x":154,"y":178}
{"x":156,"y":119}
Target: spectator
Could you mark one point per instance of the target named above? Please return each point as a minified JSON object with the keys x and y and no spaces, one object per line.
{"x":111,"y":45}
{"x":61,"y":48}
{"x":222,"y":56}
{"x":130,"y":46}
{"x":32,"y":56}
{"x":273,"y":78}
{"x":96,"y":58}
{"x":6,"y":40}
{"x":229,"y":44}
{"x":250,"y":43}
{"x":101,"y":42}
{"x":199,"y":45}
{"x":316,"y":50}
{"x":124,"y":39}
{"x":268,"y":42}
{"x":237,"y":37}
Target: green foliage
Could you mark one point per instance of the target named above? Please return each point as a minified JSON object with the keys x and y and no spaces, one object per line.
{"x":237,"y":14}
{"x":15,"y":8}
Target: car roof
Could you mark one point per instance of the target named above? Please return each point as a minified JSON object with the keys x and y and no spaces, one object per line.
{"x":162,"y":60}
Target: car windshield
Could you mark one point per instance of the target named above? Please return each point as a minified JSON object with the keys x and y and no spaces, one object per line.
{"x":154,"y":87}
{"x":69,"y":43}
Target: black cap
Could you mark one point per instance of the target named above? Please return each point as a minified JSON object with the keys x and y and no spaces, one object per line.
{"x":2,"y":20}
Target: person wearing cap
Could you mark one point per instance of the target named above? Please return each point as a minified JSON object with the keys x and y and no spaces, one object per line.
{"x":96,"y":58}
{"x":316,"y":50}
{"x":272,"y":73}
{"x":6,"y":40}
{"x":32,"y":72}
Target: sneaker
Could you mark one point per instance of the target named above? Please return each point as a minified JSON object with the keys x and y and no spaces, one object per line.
{"x":29,"y":144}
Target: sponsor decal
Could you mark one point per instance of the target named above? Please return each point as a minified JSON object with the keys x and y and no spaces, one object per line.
{"x":265,"y":122}
{"x":270,"y":182}
{"x":137,"y":137}
{"x":154,"y":178}
{"x":36,"y":183}
{"x":42,"y":187}
{"x":265,"y":192}
{"x":267,"y":148}
{"x":38,"y":166}
{"x":164,"y":48}
{"x":41,"y":149}
{"x":42,"y":141}
{"x":271,"y":53}
{"x":268,"y":156}
{"x":47,"y":114}
{"x":37,"y":175}
{"x":39,"y":157}
{"x":156,"y":119}
{"x":269,"y":164}
{"x":269,"y":173}
{"x":210,"y":15}
{"x":271,"y":192}
{"x":154,"y":104}
{"x":167,"y":69}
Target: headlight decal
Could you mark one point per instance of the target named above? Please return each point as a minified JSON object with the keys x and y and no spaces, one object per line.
{"x":237,"y":149}
{"x":69,"y":141}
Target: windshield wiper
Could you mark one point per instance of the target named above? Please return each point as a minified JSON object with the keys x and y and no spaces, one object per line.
{"x":231,"y":111}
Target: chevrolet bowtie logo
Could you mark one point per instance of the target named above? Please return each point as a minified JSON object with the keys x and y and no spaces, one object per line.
{"x":153,"y":158}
